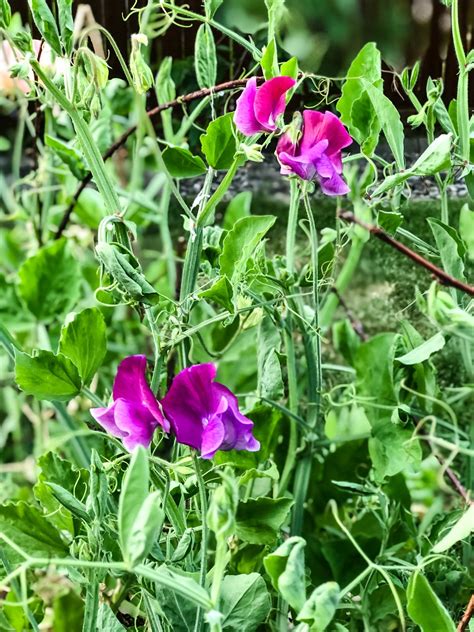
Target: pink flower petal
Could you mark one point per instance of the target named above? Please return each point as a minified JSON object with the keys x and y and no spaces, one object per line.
{"x":270,"y":101}
{"x":324,"y":125}
{"x":244,"y":116}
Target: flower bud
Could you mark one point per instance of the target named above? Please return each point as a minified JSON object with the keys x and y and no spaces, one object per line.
{"x":141,"y":72}
{"x":223,"y":506}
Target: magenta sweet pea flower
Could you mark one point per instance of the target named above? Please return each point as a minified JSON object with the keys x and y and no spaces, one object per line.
{"x":258,"y":108}
{"x":317,"y":153}
{"x":205,"y":414}
{"x":135,"y":413}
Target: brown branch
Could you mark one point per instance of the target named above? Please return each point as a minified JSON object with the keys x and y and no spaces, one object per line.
{"x":121,"y":140}
{"x":357,"y":326}
{"x":467,"y":616}
{"x":442,"y":276}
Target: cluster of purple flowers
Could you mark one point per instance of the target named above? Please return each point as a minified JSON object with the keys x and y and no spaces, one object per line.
{"x":200,"y":412}
{"x":312,"y":152}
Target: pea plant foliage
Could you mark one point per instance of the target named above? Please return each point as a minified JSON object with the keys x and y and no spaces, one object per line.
{"x":203,"y":427}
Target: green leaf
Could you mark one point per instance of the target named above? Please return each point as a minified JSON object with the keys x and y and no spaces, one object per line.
{"x":238,"y":207}
{"x":49,"y":281}
{"x":374,"y":367}
{"x":433,"y":160}
{"x":346,"y":422}
{"x":45,"y":23}
{"x":424,"y":351}
{"x":451,"y":248}
{"x":26,"y":526}
{"x":84,"y":341}
{"x":68,"y":500}
{"x":181,"y":163}
{"x":270,"y":380}
{"x":90,"y":208}
{"x":389,"y":119}
{"x":166,"y":89}
{"x":389,"y":221}
{"x":139,"y":513}
{"x":355,"y":106}
{"x":129,"y":278}
{"x":69,"y":155}
{"x":392,"y":449}
{"x":211,"y":6}
{"x":218,"y":143}
{"x":285,"y":567}
{"x":269,"y":61}
{"x":461,"y":530}
{"x":107,"y":621}
{"x":240,"y":243}
{"x":290,"y":68}
{"x":221,"y":292}
{"x":68,"y":612}
{"x":47,"y":376}
{"x":205,"y":57}
{"x":466,"y":229}
{"x":320,"y":608}
{"x":424,"y":607}
{"x":259,"y":520}
{"x":245,"y":602}
{"x":61,"y":472}
{"x":66,"y":24}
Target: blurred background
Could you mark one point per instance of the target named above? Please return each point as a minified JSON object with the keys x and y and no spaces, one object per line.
{"x":325,"y":35}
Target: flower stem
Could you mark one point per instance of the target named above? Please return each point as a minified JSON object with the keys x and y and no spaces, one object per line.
{"x":295,"y":196}
{"x":205,"y":532}
{"x":313,"y":355}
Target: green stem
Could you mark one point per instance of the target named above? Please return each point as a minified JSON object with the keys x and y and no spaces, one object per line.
{"x":292,"y":405}
{"x":91,"y":151}
{"x":204,"y":536}
{"x":155,"y":378}
{"x":205,"y":214}
{"x":313,"y":356}
{"x":295,"y":197}
{"x":18,"y":144}
{"x":92,"y":603}
{"x":463,"y":85}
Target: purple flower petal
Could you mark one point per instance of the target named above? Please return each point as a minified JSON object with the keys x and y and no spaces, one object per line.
{"x":244,"y":116}
{"x":270,"y":101}
{"x":189,"y":403}
{"x":136,"y":421}
{"x":130,"y":384}
{"x":105,"y":417}
{"x":238,"y":427}
{"x":212,"y":437}
{"x":205,"y":414}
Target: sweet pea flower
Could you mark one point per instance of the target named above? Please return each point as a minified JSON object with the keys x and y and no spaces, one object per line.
{"x":135,"y":413}
{"x":316,"y":155}
{"x":258,"y":107}
{"x":205,"y":414}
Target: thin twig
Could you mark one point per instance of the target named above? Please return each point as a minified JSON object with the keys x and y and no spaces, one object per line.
{"x":467,"y":616}
{"x":357,"y":326}
{"x":456,"y":484}
{"x":442,"y":276}
{"x":187,"y":98}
